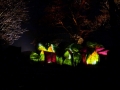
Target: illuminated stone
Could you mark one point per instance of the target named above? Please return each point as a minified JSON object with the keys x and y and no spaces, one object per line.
{"x":34,"y":56}
{"x":93,"y":58}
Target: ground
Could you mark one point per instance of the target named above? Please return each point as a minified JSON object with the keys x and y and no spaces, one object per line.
{"x":21,"y":73}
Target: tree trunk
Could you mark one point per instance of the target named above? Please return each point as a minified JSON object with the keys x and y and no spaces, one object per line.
{"x":115,"y":33}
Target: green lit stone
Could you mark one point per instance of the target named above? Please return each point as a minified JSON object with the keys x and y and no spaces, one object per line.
{"x":42,"y":57}
{"x":34,"y":56}
{"x":67,"y":62}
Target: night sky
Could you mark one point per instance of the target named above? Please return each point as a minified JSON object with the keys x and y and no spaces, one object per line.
{"x":35,"y":12}
{"x":36,"y":8}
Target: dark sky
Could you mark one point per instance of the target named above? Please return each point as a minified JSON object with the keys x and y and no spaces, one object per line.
{"x":35,"y":12}
{"x":36,"y":8}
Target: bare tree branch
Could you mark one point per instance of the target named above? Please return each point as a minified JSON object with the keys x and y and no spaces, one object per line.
{"x":12,"y":14}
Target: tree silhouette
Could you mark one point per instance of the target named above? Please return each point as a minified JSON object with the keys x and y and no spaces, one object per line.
{"x":78,"y":18}
{"x":114,"y":11}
